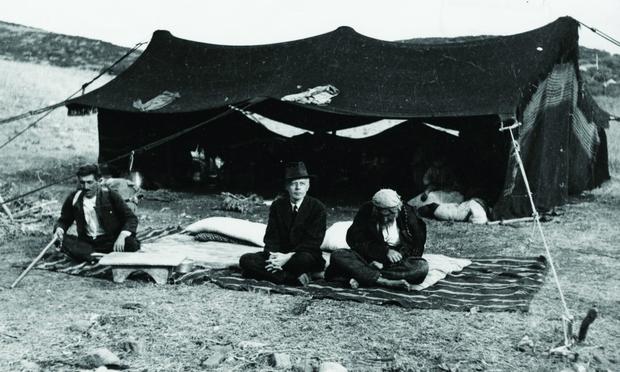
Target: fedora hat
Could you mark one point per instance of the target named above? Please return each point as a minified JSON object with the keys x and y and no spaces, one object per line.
{"x":296,"y":170}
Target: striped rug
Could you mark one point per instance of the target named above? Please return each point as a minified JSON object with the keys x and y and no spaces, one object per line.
{"x":488,"y":284}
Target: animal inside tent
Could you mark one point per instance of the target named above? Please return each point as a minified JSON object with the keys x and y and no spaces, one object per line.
{"x":469,"y":85}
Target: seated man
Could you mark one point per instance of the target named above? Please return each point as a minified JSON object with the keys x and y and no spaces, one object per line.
{"x":295,"y":230}
{"x":104,"y":222}
{"x":387,"y":241}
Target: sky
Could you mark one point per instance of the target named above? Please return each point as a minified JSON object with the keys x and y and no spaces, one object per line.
{"x":249,"y":22}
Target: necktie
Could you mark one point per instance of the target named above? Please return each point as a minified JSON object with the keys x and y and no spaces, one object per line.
{"x":294,"y":214}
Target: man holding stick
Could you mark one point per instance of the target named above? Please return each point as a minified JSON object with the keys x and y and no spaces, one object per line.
{"x":103,"y":220}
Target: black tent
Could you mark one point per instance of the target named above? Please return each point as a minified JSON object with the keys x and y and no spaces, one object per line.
{"x":471,"y":85}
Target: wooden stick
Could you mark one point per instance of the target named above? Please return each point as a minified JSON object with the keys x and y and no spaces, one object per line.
{"x":504,"y":222}
{"x":34,"y":262}
{"x":585,"y":323}
{"x":6,"y":208}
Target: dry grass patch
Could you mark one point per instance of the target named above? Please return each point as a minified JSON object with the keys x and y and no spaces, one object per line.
{"x":181,"y":326}
{"x":55,"y":138}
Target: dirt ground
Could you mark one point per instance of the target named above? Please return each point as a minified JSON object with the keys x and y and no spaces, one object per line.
{"x":52,"y":320}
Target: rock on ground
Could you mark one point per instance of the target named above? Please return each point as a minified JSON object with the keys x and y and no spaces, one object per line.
{"x":331,"y":367}
{"x":101,"y":357}
{"x":280,"y":361}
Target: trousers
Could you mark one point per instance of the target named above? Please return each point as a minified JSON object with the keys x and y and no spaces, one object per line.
{"x":253,"y":266}
{"x":346,"y":264}
{"x":81,"y":249}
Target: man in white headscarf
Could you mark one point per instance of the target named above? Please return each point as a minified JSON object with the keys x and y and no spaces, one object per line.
{"x":387,"y":241}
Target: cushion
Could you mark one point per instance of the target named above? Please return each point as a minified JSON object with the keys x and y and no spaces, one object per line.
{"x":470,"y":211}
{"x":452,"y":212}
{"x":248,"y":231}
{"x":336,"y":236}
{"x":478,"y":213}
{"x":215,"y":237}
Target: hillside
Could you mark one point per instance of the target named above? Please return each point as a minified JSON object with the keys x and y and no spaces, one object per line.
{"x":27,"y":44}
{"x":25,"y":86}
{"x":601,"y":71}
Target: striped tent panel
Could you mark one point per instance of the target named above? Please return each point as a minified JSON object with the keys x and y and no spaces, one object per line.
{"x":561,"y":85}
{"x":586,"y":133}
{"x":558,"y":87}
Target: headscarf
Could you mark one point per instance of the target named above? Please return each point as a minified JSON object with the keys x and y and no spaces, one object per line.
{"x":387,"y":198}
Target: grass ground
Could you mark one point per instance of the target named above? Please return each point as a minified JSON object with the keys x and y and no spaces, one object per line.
{"x":180,"y":326}
{"x":56,"y":138}
{"x":612,"y":105}
{"x":53,"y":319}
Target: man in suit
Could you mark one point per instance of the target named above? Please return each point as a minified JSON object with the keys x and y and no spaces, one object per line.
{"x":295,"y":231}
{"x":387,"y":241}
{"x":103,"y":220}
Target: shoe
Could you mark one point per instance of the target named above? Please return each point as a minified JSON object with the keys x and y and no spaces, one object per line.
{"x":354,"y":284}
{"x":304,"y":279}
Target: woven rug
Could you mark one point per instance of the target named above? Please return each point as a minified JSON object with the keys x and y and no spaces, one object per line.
{"x":487,"y":284}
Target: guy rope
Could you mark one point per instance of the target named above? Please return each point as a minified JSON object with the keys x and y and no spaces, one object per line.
{"x":48,"y":109}
{"x":601,"y":34}
{"x":567,"y":319}
{"x":139,"y":150}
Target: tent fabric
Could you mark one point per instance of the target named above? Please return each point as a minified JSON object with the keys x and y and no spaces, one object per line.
{"x":559,"y":147}
{"x":374,"y":77}
{"x":471,"y":85}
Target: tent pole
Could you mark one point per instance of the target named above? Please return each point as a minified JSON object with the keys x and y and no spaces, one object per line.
{"x":567,"y":320}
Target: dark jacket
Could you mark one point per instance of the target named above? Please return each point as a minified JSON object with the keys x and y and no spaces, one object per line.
{"x":113,"y":214}
{"x":305,"y":234}
{"x":365,"y":238}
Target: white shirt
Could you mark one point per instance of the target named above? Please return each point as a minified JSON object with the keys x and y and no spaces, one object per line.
{"x":390,"y":233}
{"x":297,"y":204}
{"x":93,"y":228}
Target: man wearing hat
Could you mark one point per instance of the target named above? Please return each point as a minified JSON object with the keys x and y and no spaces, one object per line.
{"x":387,"y":241}
{"x":295,"y":231}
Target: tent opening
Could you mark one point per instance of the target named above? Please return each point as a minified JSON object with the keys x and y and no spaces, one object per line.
{"x":239,"y":155}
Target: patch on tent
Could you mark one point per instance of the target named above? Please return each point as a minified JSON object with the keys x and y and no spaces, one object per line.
{"x":160,"y":101}
{"x":320,"y":96}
